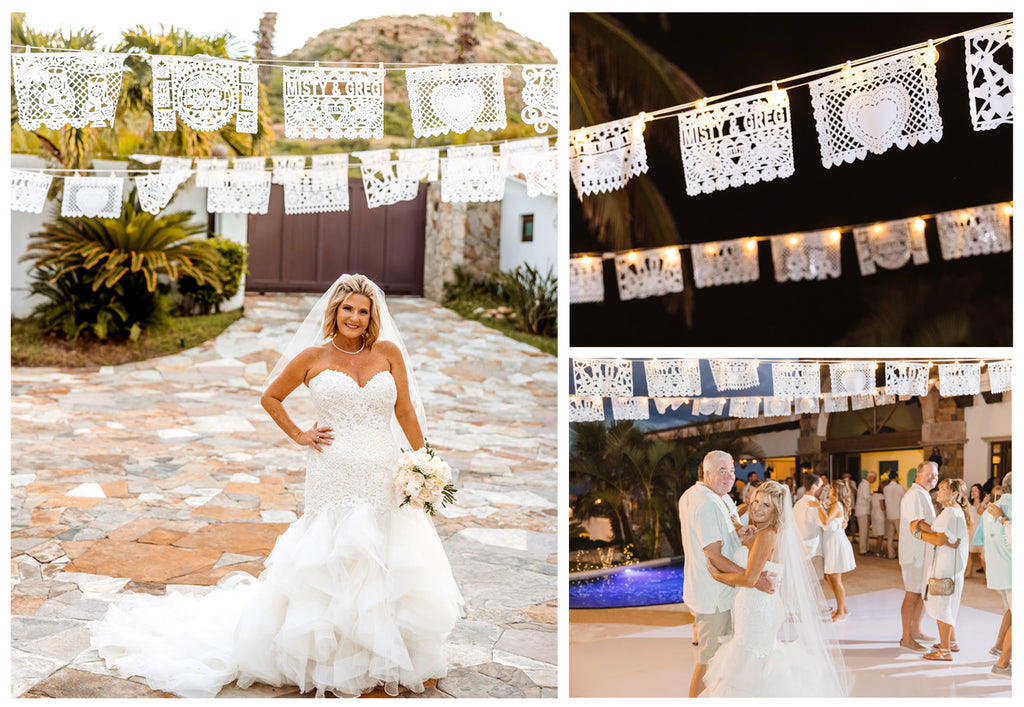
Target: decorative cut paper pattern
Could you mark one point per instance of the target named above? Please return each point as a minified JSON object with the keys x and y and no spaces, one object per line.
{"x":978,"y":231}
{"x":673,"y":378}
{"x":535,"y":161}
{"x":836,"y":403}
{"x":416,"y":163}
{"x":603,"y":377}
{"x":155,"y":191}
{"x":743,"y":141}
{"x":883,"y":399}
{"x":604,"y":157}
{"x":777,"y":407}
{"x":244,"y":192}
{"x":999,"y":376}
{"x":332,"y":161}
{"x":250,"y":164}
{"x":874,"y":106}
{"x":805,"y":405}
{"x":906,"y":378}
{"x":204,"y":167}
{"x":177,"y":164}
{"x":807,"y":256}
{"x":744,"y":407}
{"x":853,"y":378}
{"x":959,"y":379}
{"x":472,"y":173}
{"x":648,"y":273}
{"x":54,"y":90}
{"x":989,"y":60}
{"x":456,"y":98}
{"x":586,"y":280}
{"x":95,"y":197}
{"x":861,"y":402}
{"x":795,"y":379}
{"x":540,"y":96}
{"x":381,"y":184}
{"x":725,"y":262}
{"x":204,"y":93}
{"x":286,"y":168}
{"x":732,"y":374}
{"x":709,"y":406}
{"x":663,"y":404}
{"x":29,"y":190}
{"x":316,"y":191}
{"x":631,"y":409}
{"x":585,"y":409}
{"x":333,"y":104}
{"x":890,"y":244}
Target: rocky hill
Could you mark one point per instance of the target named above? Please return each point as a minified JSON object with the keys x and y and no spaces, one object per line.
{"x":417,"y":40}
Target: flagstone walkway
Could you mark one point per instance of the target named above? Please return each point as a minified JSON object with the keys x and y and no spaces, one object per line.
{"x":153,"y":475}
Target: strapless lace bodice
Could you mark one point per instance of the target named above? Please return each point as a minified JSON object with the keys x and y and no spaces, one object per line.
{"x":757,"y":616}
{"x":358,"y":467}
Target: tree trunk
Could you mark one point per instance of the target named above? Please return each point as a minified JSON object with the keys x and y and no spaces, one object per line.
{"x":265,"y":44}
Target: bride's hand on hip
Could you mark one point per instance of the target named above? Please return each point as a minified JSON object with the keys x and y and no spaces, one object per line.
{"x":315,"y":437}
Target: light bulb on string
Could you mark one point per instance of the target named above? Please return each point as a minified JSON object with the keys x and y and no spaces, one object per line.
{"x":835,"y":235}
{"x":931,"y":54}
{"x":1008,"y":209}
{"x":919,"y":224}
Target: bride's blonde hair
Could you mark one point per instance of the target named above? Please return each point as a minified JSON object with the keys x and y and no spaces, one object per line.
{"x":353,"y":285}
{"x":777,"y":494}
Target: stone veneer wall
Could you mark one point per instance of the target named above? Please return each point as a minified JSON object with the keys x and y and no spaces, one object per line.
{"x":944,"y":432}
{"x":466,"y":234}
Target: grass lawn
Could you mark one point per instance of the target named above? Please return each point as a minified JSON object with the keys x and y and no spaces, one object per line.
{"x":467,"y":307}
{"x":30,"y":346}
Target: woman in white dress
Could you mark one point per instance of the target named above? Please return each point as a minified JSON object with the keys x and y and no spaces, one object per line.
{"x":975,"y":510}
{"x":836,"y":550}
{"x":782,"y":645}
{"x":946,"y":557}
{"x":358,"y":592}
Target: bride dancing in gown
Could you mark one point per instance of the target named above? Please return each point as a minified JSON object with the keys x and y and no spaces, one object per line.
{"x":782,"y":644}
{"x":358,"y":592}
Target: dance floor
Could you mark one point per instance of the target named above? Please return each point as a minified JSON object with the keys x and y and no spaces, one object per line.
{"x":648,"y":652}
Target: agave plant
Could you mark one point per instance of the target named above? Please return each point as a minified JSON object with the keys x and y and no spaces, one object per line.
{"x":533,"y":297}
{"x":125,"y":262}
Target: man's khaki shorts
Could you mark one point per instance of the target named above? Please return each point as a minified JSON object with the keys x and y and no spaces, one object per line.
{"x":710,"y":629}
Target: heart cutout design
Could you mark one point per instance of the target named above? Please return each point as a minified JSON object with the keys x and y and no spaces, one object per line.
{"x":854,"y":382}
{"x":91,"y":200}
{"x":877,"y":118}
{"x":458,"y":105}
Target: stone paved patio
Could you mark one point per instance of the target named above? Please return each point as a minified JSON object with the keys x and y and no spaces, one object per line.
{"x":150,"y":476}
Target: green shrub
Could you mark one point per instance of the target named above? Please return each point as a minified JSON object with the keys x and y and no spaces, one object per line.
{"x":222,"y":286}
{"x":533,"y":297}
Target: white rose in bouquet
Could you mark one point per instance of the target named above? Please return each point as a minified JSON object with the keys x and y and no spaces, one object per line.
{"x":423,"y":480}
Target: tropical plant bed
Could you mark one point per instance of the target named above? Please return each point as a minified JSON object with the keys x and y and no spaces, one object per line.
{"x":478,"y":306}
{"x":31,"y":346}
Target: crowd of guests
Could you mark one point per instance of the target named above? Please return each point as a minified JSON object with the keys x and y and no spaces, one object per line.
{"x":939,"y":531}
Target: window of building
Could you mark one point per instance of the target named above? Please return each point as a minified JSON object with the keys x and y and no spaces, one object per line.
{"x":999,"y":459}
{"x":526,"y":228}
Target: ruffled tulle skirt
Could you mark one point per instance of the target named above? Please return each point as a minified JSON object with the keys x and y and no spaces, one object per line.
{"x":787,"y":670}
{"x":351,"y":599}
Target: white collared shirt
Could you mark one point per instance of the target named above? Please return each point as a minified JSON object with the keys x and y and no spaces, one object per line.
{"x":705,"y":519}
{"x":916,"y":505}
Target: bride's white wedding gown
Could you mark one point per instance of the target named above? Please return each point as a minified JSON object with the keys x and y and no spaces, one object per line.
{"x":356,"y":593}
{"x":753,"y":662}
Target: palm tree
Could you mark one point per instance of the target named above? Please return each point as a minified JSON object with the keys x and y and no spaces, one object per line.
{"x":613,"y":74}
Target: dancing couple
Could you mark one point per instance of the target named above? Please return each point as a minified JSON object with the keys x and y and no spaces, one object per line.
{"x":760,"y":619}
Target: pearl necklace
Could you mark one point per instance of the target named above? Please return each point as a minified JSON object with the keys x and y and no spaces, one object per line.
{"x":350,"y":353}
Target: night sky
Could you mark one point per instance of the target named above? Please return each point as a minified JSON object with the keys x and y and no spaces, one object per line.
{"x":725,"y":52}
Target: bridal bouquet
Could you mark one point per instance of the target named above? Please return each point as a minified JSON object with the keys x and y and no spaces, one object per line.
{"x":424,"y":479}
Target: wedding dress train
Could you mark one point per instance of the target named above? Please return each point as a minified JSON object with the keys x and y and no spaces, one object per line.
{"x":357,"y":593}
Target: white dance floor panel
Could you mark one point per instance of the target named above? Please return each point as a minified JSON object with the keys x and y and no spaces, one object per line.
{"x":658,"y":662}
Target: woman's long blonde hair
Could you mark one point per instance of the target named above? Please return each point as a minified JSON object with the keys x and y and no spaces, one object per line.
{"x":959,"y":489}
{"x":353,"y":285}
{"x":776,"y":493}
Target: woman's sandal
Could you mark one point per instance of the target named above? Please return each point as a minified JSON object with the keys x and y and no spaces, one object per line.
{"x":953,"y":647}
{"x":940,"y":654}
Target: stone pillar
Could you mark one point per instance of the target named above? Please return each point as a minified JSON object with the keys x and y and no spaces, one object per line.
{"x":943,"y":433}
{"x":466,"y":234}
{"x":808,"y":445}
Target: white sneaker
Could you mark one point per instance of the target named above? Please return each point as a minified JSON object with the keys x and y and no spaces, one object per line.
{"x":1002,"y":672}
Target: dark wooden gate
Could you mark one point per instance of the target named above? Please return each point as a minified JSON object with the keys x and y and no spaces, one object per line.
{"x":307,"y":252}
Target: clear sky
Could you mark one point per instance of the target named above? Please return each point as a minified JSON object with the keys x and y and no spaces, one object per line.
{"x":294,"y":26}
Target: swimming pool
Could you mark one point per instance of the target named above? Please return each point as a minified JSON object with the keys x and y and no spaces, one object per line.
{"x":640,"y":586}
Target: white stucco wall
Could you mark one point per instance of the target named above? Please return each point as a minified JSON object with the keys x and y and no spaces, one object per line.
{"x":985,"y":424}
{"x":542,"y":252}
{"x":782,"y":443}
{"x":22,"y":225}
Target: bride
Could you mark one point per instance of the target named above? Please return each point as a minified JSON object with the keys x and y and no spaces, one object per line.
{"x":782,"y":645}
{"x":358,"y":592}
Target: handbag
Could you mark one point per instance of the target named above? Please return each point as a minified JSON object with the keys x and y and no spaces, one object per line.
{"x":941,"y":586}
